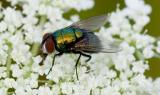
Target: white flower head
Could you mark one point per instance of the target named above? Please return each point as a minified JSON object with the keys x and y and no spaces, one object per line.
{"x":3,"y":73}
{"x":12,"y":17}
{"x":45,"y":90}
{"x":24,"y":70}
{"x":148,"y":52}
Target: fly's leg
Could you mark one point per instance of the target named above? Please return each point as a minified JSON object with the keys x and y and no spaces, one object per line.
{"x":43,"y":58}
{"x":52,"y":64}
{"x":89,"y":57}
{"x":53,"y":61}
{"x":77,"y":65}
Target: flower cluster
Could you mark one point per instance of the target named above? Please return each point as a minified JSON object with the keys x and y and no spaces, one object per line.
{"x":24,"y":72}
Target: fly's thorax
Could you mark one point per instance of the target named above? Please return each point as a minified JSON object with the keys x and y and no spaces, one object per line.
{"x":65,"y":37}
{"x":48,"y":44}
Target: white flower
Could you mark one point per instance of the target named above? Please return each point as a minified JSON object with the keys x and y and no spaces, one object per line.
{"x":3,"y":91}
{"x":158,"y":47}
{"x":144,"y":84}
{"x":75,"y":18}
{"x":148,"y":52}
{"x":142,"y":40}
{"x":138,"y":6}
{"x":30,"y":7}
{"x":20,"y":91}
{"x":63,"y":68}
{"x":3,"y":56}
{"x":43,"y":90}
{"x":127,"y":52}
{"x":37,"y":59}
{"x":32,"y":81}
{"x":23,"y":68}
{"x":110,"y":91}
{"x":3,"y":73}
{"x":3,"y":26}
{"x":117,"y":18}
{"x":12,"y":17}
{"x":33,"y":35}
{"x":76,"y":4}
{"x":139,"y":67}
{"x":9,"y":82}
{"x":67,"y":88}
{"x":21,"y":54}
{"x":56,"y":89}
{"x":29,"y":21}
{"x":16,"y":71}
{"x":156,"y":86}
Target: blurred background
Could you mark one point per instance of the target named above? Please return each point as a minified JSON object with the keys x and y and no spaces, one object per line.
{"x":107,"y":6}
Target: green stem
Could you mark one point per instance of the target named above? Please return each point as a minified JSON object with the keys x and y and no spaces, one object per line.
{"x":43,"y":19}
{"x":35,"y":49}
{"x":48,"y":82}
{"x":139,"y":55}
{"x":9,"y":61}
{"x":10,"y":93}
{"x":8,"y":65}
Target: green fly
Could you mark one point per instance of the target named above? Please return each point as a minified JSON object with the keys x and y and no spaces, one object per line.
{"x":78,"y":38}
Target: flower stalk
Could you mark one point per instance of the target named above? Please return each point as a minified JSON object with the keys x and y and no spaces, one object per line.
{"x":9,"y":61}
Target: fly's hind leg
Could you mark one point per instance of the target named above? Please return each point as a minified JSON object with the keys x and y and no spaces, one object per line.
{"x":80,"y":53}
{"x":89,"y":57}
{"x":77,"y":65}
{"x":53,"y":61}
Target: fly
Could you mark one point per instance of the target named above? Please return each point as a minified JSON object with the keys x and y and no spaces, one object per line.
{"x":78,"y":38}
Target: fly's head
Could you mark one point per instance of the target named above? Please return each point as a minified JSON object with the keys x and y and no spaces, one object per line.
{"x":47,"y":44}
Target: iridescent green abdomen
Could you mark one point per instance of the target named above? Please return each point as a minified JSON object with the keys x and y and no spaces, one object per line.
{"x":65,"y":37}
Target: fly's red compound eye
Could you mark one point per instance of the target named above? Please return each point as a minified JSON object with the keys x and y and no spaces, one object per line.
{"x":49,"y":45}
{"x":45,"y":37}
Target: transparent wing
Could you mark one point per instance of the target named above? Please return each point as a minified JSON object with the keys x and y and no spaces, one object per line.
{"x":92,"y":44}
{"x":110,"y":47}
{"x":92,"y":23}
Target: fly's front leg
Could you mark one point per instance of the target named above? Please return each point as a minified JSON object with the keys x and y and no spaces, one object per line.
{"x":43,"y":58}
{"x":53,"y":61}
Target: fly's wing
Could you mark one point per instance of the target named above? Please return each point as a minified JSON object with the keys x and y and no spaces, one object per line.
{"x":92,"y":44}
{"x":92,"y":23}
